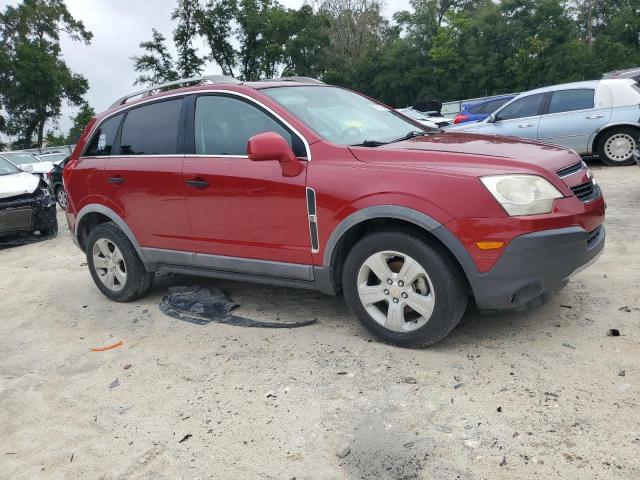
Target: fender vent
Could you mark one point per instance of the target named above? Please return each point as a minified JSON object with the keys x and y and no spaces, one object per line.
{"x":570,"y":170}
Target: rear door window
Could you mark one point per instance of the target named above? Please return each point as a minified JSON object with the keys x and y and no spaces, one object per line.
{"x":523,"y":107}
{"x":101,"y":143}
{"x":223,"y":126}
{"x":152,"y":129}
{"x":570,"y":100}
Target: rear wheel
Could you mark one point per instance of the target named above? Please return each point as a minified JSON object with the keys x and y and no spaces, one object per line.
{"x":115,"y":265}
{"x":616,"y":146}
{"x":404,"y":289}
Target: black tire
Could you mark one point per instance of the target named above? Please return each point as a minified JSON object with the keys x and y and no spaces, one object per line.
{"x":634,"y":133}
{"x":52,"y":229}
{"x":59,"y":190}
{"x":449,"y":286}
{"x":138,"y":280}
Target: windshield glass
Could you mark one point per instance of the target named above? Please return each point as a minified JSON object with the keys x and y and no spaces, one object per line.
{"x":341,"y":116}
{"x":53,"y":157}
{"x":20,"y":158}
{"x":7,"y":168}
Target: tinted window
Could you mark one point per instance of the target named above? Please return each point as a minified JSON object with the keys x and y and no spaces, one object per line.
{"x":151,"y":129}
{"x":569,"y":100}
{"x":224,"y":125}
{"x":521,"y":108}
{"x":476,"y":108}
{"x":493,"y":105}
{"x":102,"y":141}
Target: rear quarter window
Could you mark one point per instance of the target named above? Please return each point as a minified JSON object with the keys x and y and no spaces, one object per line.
{"x":101,"y":144}
{"x":570,"y":100}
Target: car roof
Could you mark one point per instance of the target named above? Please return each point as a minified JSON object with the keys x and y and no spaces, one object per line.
{"x":564,"y":86}
{"x":475,"y":103}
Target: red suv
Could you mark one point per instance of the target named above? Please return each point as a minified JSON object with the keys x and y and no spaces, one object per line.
{"x":300,"y":184}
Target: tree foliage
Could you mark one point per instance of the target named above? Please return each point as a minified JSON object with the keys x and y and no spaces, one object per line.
{"x":34,"y":78}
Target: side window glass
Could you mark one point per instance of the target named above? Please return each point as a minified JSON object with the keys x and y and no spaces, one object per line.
{"x":101,"y":143}
{"x":151,"y":129}
{"x":224,"y":125}
{"x":476,"y":109}
{"x":494,"y":105}
{"x":569,"y":100}
{"x":521,"y":108}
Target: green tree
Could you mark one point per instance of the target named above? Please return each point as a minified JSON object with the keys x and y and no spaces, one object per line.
{"x":80,"y":121}
{"x":188,"y":63}
{"x":155,"y":66}
{"x":34,"y":78}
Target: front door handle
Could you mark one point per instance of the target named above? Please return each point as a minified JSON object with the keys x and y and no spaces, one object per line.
{"x":198,"y":183}
{"x":116,"y":180}
{"x":593,"y":117}
{"x":525,"y":125}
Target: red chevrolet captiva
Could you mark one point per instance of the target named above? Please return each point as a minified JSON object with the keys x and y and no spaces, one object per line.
{"x":297,"y":183}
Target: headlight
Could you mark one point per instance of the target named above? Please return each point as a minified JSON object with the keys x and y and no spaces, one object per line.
{"x":522,"y":194}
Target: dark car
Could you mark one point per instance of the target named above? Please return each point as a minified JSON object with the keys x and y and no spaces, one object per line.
{"x":478,"y":111}
{"x":26,"y":206}
{"x":56,"y":184}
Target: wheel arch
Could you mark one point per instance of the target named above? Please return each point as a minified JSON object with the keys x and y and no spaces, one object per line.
{"x":94,"y":214}
{"x":598,"y":135}
{"x":370,"y":219}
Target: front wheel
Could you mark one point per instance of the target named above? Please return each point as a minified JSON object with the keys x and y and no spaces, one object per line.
{"x":616,"y":146}
{"x":61,"y":197}
{"x":405,"y":289}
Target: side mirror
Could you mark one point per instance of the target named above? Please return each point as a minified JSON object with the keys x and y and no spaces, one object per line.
{"x":271,"y":146}
{"x":27,"y":167}
{"x":493,"y":118}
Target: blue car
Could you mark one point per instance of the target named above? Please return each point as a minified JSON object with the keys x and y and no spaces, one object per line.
{"x":481,"y":109}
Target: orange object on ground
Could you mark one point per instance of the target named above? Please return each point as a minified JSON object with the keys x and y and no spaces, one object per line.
{"x":108,"y":347}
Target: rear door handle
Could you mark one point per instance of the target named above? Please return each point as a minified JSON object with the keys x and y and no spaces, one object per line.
{"x":525,"y":125}
{"x":593,"y":117}
{"x":117,"y":180}
{"x":198,"y":183}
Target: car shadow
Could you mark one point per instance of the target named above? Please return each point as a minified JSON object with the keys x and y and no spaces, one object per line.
{"x":21,"y":240}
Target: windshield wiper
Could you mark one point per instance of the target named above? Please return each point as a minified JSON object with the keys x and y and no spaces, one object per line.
{"x":410,"y":135}
{"x":369,"y":143}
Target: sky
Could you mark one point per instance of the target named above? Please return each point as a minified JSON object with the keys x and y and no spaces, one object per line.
{"x":118,"y":27}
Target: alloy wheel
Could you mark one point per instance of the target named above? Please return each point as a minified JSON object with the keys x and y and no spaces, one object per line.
{"x":61,"y":196}
{"x":109,"y":264}
{"x":620,"y":147}
{"x":396,"y":291}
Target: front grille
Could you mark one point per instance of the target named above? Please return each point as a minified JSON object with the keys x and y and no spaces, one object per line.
{"x":586,"y":191}
{"x":593,"y":236}
{"x":570,"y":170}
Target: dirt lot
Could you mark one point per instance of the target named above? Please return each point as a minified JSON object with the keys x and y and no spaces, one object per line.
{"x":541,"y":394}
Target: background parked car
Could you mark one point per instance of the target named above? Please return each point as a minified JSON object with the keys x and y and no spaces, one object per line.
{"x":28,"y":162}
{"x":425,"y":118}
{"x":599,"y":116}
{"x":56,"y":184}
{"x":633,"y":73}
{"x":25,"y":203}
{"x":479,"y":110}
{"x":54,"y":157}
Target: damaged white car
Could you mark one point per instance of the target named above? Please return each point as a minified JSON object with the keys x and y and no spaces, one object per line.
{"x":26,"y":205}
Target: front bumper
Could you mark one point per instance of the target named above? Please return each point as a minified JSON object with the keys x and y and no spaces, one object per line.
{"x":27,"y":213}
{"x":534,"y":265}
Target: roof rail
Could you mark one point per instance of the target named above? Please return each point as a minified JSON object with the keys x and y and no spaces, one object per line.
{"x":296,"y":79}
{"x":183,"y":81}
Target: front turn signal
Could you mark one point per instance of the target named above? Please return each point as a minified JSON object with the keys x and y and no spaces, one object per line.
{"x":489,"y":245}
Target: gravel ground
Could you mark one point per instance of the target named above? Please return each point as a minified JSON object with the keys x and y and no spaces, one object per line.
{"x":540,"y":394}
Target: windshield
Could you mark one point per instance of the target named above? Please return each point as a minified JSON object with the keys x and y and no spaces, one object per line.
{"x":7,"y":168}
{"x":53,"y":157}
{"x":341,"y":116}
{"x":20,"y":158}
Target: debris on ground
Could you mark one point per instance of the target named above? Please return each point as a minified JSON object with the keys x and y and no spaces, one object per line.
{"x":108,"y":347}
{"x":499,"y":409}
{"x":126,"y":366}
{"x":343,"y":451}
{"x":614,"y":332}
{"x":114,"y":384}
{"x":270,"y":394}
{"x":185,"y":438}
{"x":409,"y":380}
{"x":566,"y":306}
{"x":568,"y":345}
{"x":202,"y":306}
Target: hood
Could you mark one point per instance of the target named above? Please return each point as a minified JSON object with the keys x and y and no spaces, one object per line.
{"x":41,"y":167}
{"x":18,"y":184}
{"x":471,"y":154}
